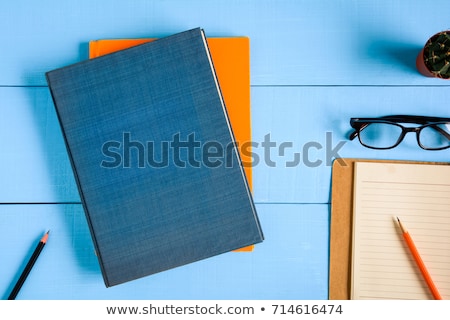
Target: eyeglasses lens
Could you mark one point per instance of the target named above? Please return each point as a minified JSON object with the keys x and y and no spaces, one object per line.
{"x":380,"y":135}
{"x":435,"y":136}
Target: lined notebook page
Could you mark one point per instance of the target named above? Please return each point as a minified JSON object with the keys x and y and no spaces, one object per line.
{"x":419,"y":195}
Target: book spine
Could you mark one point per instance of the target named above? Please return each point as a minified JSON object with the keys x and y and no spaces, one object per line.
{"x":235,"y":147}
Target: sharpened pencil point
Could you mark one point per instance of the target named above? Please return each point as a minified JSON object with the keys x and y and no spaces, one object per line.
{"x":402,"y":227}
{"x":45,"y":237}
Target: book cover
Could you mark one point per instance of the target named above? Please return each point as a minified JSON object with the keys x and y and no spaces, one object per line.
{"x":231,"y":58}
{"x":154,"y":157}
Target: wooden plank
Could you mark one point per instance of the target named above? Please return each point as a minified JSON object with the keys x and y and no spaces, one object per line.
{"x":292,"y":261}
{"x":309,"y":121}
{"x":312,"y":123}
{"x":293,"y":42}
{"x":34,"y":165}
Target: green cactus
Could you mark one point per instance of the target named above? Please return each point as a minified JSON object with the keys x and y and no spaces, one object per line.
{"x":437,"y":54}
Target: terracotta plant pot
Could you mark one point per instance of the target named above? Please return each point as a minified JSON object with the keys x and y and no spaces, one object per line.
{"x":434,"y":59}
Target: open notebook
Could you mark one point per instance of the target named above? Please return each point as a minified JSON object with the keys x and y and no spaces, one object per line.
{"x":382,"y":266}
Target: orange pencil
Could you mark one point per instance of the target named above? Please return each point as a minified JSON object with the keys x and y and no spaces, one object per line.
{"x":419,"y":261}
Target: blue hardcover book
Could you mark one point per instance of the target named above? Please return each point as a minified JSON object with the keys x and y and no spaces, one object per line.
{"x":154,"y":157}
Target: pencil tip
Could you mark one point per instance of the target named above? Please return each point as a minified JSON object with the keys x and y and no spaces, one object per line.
{"x":398,"y":219}
{"x":45,"y":237}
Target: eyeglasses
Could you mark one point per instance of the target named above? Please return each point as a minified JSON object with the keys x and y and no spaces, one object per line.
{"x":386,"y":132}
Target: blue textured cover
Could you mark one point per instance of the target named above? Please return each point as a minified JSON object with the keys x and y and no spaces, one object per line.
{"x":123,"y":114}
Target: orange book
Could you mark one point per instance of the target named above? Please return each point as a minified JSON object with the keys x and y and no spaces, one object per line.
{"x":231,"y":58}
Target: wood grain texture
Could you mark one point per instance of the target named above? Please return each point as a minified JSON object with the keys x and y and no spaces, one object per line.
{"x":307,"y":128}
{"x":294,"y":42}
{"x":314,"y":64}
{"x":292,"y":262}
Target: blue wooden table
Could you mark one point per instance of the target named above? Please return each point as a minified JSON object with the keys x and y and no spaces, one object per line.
{"x":314,"y":64}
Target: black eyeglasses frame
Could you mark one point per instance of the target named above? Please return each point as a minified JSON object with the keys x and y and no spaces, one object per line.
{"x":360,"y":123}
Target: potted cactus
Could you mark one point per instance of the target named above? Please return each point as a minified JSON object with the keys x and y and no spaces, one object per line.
{"x":434,"y":59}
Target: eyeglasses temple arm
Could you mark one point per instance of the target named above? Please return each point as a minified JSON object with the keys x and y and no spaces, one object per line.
{"x":358,"y":128}
{"x":441,"y":131}
{"x":414,"y":119}
{"x":353,"y":134}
